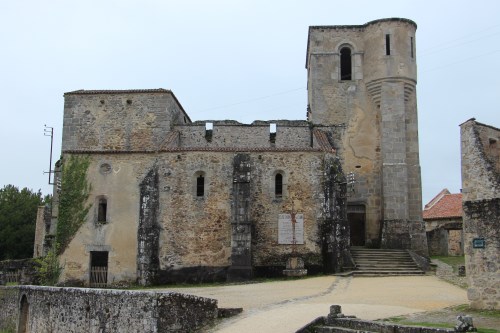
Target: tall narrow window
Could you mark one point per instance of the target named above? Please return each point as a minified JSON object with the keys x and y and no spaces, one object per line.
{"x":102,"y":210}
{"x":278,"y":185}
{"x":272,"y":132}
{"x":411,"y":47}
{"x":345,"y":64}
{"x":387,"y":44}
{"x":209,"y":129}
{"x":200,"y":186}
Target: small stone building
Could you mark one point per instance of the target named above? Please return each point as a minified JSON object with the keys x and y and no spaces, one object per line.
{"x":480,"y":149}
{"x":443,"y":224}
{"x":170,"y":199}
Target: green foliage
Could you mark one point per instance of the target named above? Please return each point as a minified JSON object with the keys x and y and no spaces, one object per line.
{"x":73,"y":207}
{"x":18,"y":210}
{"x":48,"y":268}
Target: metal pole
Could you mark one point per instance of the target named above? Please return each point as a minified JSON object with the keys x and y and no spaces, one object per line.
{"x":46,"y":131}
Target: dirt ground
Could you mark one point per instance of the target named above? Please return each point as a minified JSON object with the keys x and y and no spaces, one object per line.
{"x":285,"y":306}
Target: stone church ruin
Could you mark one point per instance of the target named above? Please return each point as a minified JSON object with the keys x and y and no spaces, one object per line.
{"x":170,"y":199}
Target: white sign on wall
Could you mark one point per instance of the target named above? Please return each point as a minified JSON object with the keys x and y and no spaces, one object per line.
{"x":286,"y":229}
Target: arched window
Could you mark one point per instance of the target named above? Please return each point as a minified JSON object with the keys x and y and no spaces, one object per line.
{"x":278,"y":185}
{"x":200,"y":185}
{"x":345,"y":64}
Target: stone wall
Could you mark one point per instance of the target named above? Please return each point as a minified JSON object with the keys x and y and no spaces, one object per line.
{"x":25,"y":268}
{"x":195,"y":241}
{"x":229,"y":134}
{"x":445,"y":237}
{"x":47,"y":309}
{"x":8,"y":308}
{"x":119,"y":120}
{"x":481,"y":206}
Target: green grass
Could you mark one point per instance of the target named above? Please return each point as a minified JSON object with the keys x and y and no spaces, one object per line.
{"x":464,"y":308}
{"x":453,"y":261}
{"x":403,"y":321}
{"x":483,"y":313}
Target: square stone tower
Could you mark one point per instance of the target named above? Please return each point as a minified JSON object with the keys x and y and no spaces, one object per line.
{"x":362,"y":78}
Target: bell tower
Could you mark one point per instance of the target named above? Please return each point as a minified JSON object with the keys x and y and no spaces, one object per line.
{"x":362,"y":79}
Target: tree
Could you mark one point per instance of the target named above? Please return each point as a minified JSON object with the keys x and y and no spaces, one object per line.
{"x":18,"y":210}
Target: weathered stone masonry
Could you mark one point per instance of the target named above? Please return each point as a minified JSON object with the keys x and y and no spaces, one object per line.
{"x":47,"y":309}
{"x":480,"y":151}
{"x":200,"y":201}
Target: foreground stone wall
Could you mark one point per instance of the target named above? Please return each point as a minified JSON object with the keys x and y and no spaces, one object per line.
{"x":481,"y":205}
{"x":47,"y":309}
{"x":8,"y":308}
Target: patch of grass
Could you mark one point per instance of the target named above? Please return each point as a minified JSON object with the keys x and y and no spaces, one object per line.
{"x":402,"y":321}
{"x":453,"y":261}
{"x":465,"y":308}
{"x":7,"y":330}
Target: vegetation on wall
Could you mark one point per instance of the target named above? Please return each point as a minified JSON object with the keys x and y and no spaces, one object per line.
{"x":18,"y":210}
{"x":73,"y":207}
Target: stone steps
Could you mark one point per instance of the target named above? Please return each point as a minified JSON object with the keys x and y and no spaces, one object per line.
{"x":382,"y":262}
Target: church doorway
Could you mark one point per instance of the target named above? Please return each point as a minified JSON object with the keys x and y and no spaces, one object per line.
{"x":356,"y":217}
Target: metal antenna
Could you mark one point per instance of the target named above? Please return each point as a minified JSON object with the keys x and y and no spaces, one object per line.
{"x":49,"y":131}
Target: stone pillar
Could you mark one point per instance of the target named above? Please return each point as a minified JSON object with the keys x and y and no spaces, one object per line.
{"x":402,"y":227}
{"x":148,"y":233}
{"x":241,"y":226}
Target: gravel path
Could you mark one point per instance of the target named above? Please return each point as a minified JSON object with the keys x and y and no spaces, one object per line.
{"x":285,"y":306}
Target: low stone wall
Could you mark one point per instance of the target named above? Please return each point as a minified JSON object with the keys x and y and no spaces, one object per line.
{"x":23,"y":268}
{"x":50,"y":309}
{"x":8,"y":308}
{"x":338,"y":322}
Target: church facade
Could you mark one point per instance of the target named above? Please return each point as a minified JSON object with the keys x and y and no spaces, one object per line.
{"x":170,"y":199}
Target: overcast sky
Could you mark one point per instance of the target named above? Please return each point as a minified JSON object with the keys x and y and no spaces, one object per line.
{"x":241,"y":60}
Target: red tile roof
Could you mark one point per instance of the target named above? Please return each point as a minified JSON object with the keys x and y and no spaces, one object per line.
{"x":444,"y":206}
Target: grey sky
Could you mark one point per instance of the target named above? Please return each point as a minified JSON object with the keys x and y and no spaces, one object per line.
{"x":241,"y":60}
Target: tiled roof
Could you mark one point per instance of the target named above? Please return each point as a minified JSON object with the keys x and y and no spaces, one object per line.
{"x":323,"y":141}
{"x":444,"y":206}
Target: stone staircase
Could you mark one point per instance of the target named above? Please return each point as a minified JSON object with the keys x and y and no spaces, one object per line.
{"x":383,"y":262}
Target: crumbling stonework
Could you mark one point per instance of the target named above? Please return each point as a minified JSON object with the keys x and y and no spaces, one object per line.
{"x":481,"y":206}
{"x":47,"y":309}
{"x":181,"y":201}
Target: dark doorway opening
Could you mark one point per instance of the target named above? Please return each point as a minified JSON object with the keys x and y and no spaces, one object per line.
{"x":357,"y":217}
{"x":98,"y":269}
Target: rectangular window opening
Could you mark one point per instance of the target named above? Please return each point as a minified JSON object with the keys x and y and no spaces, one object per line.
{"x":209,"y":127}
{"x":102,"y":210}
{"x":387,"y":44}
{"x":411,"y":47}
{"x":200,"y":186}
{"x":272,"y":132}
